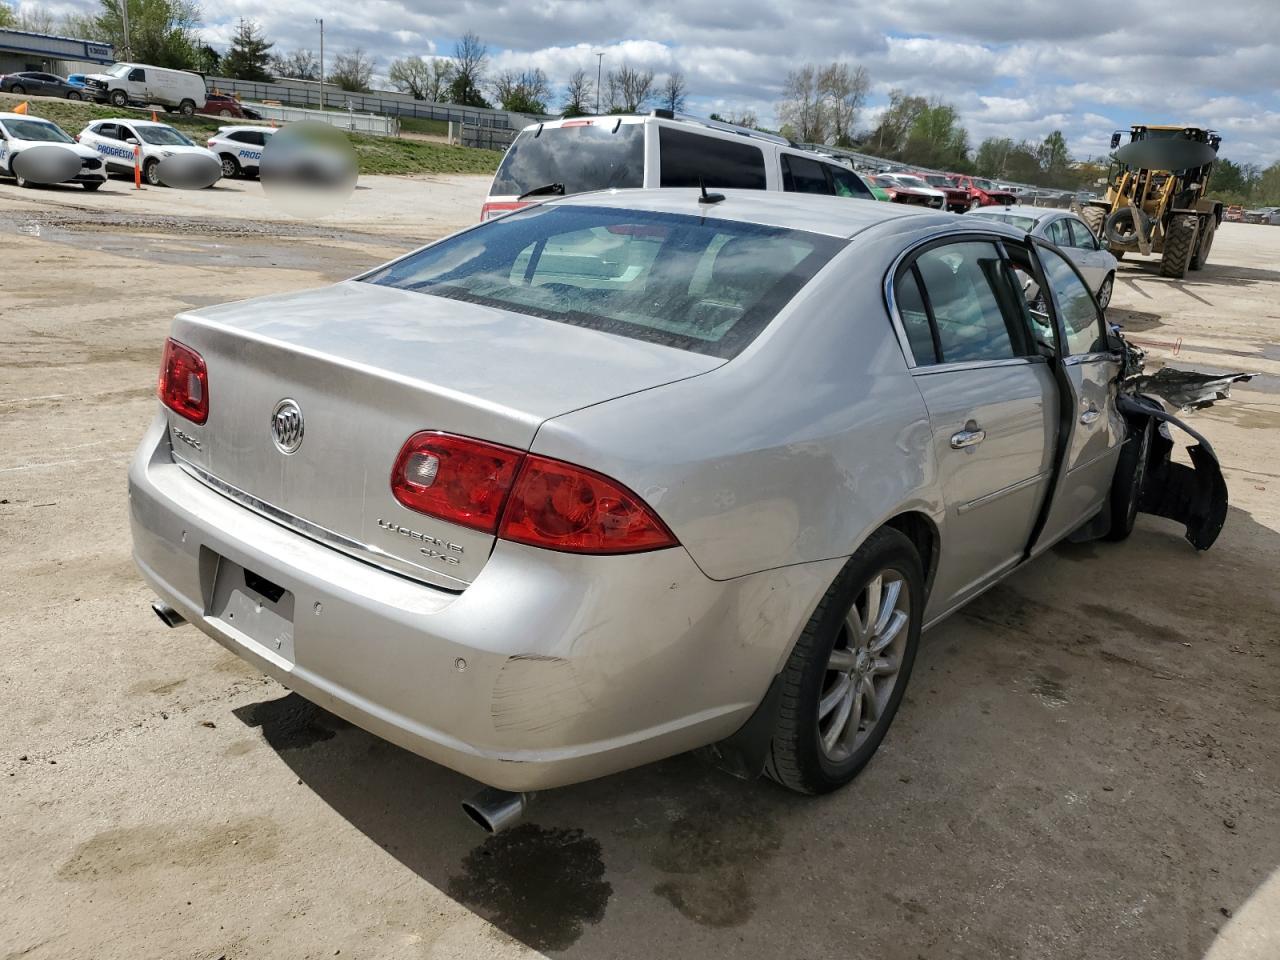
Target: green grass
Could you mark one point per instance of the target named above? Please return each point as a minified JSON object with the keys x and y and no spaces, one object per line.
{"x":374,"y":154}
{"x":438,"y":128}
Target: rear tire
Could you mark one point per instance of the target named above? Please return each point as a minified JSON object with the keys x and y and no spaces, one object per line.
{"x":845,"y":678}
{"x":1201,"y":256}
{"x":1103,"y":296}
{"x":1179,"y":245}
{"x":119,"y":98}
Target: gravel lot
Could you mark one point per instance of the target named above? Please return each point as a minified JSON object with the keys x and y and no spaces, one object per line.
{"x":1085,"y":765}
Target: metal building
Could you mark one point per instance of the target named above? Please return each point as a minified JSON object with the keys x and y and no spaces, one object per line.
{"x":21,"y":51}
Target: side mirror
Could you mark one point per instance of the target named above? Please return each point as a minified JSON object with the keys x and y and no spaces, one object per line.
{"x":132,"y":141}
{"x":1104,"y":243}
{"x":1115,"y":140}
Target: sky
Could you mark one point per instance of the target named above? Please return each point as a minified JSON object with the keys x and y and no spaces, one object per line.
{"x":1015,"y":68}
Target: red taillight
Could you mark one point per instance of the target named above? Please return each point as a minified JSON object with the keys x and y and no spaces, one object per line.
{"x":562,"y":507}
{"x":184,"y":382}
{"x":457,"y":479}
{"x":491,"y":210}
{"x":523,"y":497}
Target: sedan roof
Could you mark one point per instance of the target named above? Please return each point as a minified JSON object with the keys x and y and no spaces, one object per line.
{"x":833,"y":216}
{"x":1022,"y":210}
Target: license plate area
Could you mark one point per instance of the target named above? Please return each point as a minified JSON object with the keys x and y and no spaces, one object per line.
{"x":256,"y":609}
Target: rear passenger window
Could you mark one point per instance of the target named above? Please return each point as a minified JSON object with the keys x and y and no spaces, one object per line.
{"x":960,"y":282}
{"x":690,"y":158}
{"x":802,"y":175}
{"x":915,"y":318}
{"x":848,"y":184}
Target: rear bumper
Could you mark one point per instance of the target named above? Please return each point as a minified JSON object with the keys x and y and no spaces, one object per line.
{"x":575,"y":667}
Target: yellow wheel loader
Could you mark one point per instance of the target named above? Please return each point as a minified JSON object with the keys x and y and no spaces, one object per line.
{"x":1155,"y":202}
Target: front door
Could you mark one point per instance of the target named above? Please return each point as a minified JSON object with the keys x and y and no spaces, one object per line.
{"x":992,"y":406}
{"x":1096,"y":428}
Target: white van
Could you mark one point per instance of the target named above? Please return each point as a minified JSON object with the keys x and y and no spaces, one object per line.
{"x":144,"y":85}
{"x":661,"y":149}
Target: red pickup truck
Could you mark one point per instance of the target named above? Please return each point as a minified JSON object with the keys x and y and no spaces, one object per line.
{"x":957,"y":197}
{"x":983,"y":193}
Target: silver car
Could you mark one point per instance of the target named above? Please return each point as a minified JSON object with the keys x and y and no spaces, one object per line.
{"x":1071,"y":235}
{"x":630,"y":473}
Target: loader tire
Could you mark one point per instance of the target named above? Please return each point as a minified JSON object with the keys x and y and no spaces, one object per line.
{"x":1094,"y":218}
{"x":1124,"y":226}
{"x":1179,"y":245}
{"x":1201,"y":256}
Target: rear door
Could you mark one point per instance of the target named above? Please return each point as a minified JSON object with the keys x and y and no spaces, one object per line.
{"x":992,"y":406}
{"x":1095,"y":425}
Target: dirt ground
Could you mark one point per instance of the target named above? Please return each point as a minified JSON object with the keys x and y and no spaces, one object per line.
{"x":1086,"y":763}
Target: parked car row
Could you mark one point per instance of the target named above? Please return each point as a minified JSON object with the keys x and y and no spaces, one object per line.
{"x":134,"y":84}
{"x":116,"y":145}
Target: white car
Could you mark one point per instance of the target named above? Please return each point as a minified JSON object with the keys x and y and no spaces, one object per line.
{"x":1071,"y":235}
{"x":19,"y":132}
{"x":115,"y":139}
{"x":239,"y":149}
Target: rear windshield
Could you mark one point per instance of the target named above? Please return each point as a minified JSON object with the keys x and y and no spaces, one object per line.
{"x":696,"y":283}
{"x":594,"y":156}
{"x":1022,"y":223}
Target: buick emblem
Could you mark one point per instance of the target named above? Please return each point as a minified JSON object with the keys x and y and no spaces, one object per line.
{"x":286,"y":426}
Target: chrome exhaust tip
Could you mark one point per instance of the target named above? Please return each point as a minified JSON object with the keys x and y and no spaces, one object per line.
{"x":168,"y":616}
{"x":496,"y":810}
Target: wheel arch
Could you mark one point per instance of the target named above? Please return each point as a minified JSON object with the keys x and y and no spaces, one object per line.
{"x":919,"y":528}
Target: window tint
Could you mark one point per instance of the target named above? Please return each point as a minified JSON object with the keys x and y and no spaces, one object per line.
{"x":960,"y":283}
{"x":1076,"y":307}
{"x":720,"y":163}
{"x":690,"y":282}
{"x":595,"y":156}
{"x":238,"y":136}
{"x":802,"y":175}
{"x":915,"y":318}
{"x":848,"y":183}
{"x":138,"y":74}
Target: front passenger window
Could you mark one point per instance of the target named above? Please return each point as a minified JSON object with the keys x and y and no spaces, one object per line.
{"x":1076,"y":306}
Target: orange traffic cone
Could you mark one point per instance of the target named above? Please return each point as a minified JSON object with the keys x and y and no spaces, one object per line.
{"x":154,"y":118}
{"x":21,"y":108}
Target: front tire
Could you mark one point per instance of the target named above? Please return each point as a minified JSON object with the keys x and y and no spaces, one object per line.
{"x":1179,"y":245}
{"x":18,"y":89}
{"x":187,"y":108}
{"x":73,"y":95}
{"x":1201,"y":256}
{"x":91,"y":185}
{"x":151,"y":172}
{"x":845,"y":678}
{"x":1093,"y":218}
{"x":119,"y":98}
{"x":230,"y":166}
{"x":1126,"y":483}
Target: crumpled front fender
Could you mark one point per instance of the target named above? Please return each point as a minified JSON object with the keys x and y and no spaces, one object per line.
{"x":1194,"y":496}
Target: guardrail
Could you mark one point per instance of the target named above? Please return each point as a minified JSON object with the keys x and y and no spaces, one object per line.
{"x":370,"y":123}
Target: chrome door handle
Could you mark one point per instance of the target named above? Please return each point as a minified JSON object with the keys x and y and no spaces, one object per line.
{"x":1089,"y":416}
{"x":970,"y":436}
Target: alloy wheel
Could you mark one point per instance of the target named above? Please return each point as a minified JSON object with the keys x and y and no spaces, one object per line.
{"x":864,"y":665}
{"x":1104,"y":292}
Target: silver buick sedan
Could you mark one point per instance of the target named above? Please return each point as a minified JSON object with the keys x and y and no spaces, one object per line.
{"x":631,"y":473}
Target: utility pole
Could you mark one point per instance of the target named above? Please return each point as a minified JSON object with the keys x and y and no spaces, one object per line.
{"x":124,"y":23}
{"x":320,"y":20}
{"x":599,"y":64}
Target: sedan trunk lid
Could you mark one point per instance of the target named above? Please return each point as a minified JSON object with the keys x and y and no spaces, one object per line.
{"x":368,"y":366}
